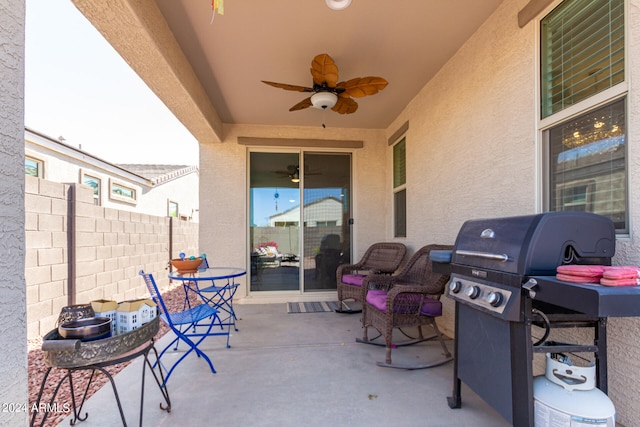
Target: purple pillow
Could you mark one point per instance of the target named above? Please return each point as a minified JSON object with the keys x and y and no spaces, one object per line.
{"x":353,"y":279}
{"x":378,"y":299}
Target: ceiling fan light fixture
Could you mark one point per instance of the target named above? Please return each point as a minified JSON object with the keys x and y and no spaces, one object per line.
{"x":295,"y":177}
{"x":338,"y":4}
{"x":324,"y":100}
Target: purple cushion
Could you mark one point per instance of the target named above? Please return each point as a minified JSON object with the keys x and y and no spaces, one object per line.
{"x":431,"y":307}
{"x":353,"y":279}
{"x":378,"y":299}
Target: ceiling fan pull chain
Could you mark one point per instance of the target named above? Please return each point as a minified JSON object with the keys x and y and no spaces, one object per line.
{"x":324,"y":117}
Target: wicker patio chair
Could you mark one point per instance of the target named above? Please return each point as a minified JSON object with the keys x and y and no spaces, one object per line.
{"x":410,"y":298}
{"x":380,"y":258}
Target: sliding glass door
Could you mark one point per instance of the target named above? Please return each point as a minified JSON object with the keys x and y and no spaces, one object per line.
{"x":327,"y":213}
{"x":299,"y":228}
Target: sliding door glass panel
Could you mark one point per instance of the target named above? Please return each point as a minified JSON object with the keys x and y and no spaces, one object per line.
{"x":274,"y":221}
{"x":326,"y":216}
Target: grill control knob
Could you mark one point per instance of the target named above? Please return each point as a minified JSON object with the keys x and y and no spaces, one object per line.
{"x":495,"y":299}
{"x":473,"y":292}
{"x":455,"y":286}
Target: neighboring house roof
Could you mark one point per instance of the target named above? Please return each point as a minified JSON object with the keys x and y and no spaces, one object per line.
{"x":159,"y":174}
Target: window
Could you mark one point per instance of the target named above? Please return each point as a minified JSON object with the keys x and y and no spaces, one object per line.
{"x":96,"y":184}
{"x":585,"y":146}
{"x":399,"y":189}
{"x":122,"y":193}
{"x":172,"y":209}
{"x":582,"y":51}
{"x":34,"y":167}
{"x":587,"y":164}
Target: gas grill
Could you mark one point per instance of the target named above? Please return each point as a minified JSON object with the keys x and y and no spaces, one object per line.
{"x":503,"y":282}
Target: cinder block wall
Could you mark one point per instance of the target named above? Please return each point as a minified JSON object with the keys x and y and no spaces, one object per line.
{"x":110,"y":247}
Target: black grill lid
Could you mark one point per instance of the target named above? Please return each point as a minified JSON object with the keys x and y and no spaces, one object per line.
{"x":535,"y":244}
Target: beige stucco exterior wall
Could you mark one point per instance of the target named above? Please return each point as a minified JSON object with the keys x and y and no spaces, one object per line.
{"x":473,"y":151}
{"x":13,"y":325}
{"x":471,"y":143}
{"x":111,"y":247}
{"x":223,"y":208}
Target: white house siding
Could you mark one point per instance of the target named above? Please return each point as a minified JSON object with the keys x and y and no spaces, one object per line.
{"x":473,"y":151}
{"x":65,"y":164}
{"x":13,"y":326}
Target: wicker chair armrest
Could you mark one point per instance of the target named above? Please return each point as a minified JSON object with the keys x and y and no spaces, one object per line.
{"x":376,"y":281}
{"x":346,"y":269}
{"x":379,"y":281}
{"x":397,"y":301}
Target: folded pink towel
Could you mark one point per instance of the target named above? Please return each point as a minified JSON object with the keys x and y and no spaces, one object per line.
{"x":581,"y":270}
{"x":578,"y":279}
{"x":622,"y":272}
{"x":620,"y":282}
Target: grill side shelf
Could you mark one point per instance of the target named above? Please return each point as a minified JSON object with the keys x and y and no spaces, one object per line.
{"x":591,"y":299}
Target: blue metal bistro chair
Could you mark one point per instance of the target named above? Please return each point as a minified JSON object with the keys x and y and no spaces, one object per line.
{"x":182,"y":322}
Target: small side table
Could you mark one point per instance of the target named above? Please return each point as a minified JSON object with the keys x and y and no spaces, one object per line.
{"x":75,"y":355}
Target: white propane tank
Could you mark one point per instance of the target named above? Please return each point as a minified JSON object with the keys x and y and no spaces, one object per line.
{"x":566,"y":396}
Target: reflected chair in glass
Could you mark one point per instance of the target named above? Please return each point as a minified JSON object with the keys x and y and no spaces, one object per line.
{"x":410,"y":298}
{"x":379,"y":258}
{"x":181,"y":322}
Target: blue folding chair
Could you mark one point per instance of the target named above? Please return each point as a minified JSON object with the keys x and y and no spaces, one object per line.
{"x":182,"y":322}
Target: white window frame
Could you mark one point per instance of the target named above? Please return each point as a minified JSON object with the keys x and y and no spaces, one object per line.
{"x":40,"y":164}
{"x":97,"y":197}
{"x":402,"y":187}
{"x":595,"y":101}
{"x":131,"y":200}
{"x":171,"y":203}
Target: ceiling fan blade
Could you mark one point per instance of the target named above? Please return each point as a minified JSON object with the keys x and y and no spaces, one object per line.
{"x":345,"y":106}
{"x":324,"y":70}
{"x":289,"y":87}
{"x":362,"y":86}
{"x":305,"y":103}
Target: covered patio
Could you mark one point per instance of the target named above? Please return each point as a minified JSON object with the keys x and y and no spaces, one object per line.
{"x":295,"y":369}
{"x":479,"y":133}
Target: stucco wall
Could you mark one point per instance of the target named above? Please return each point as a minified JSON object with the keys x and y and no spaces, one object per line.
{"x":471,"y":145}
{"x":223,"y":207}
{"x":111,"y":246}
{"x":13,"y":325}
{"x":473,"y":151}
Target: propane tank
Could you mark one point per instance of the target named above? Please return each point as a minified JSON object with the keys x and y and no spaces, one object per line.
{"x":566,"y":395}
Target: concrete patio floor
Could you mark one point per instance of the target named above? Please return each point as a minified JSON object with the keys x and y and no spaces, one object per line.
{"x":292,"y":370}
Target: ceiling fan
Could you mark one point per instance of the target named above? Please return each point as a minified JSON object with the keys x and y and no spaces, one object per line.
{"x":327,"y":92}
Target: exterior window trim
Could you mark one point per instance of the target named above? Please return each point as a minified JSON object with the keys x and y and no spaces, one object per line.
{"x":171,"y":203}
{"x":98,"y":197}
{"x":40,"y":164}
{"x":607,"y":96}
{"x":133,"y":200}
{"x":399,"y":188}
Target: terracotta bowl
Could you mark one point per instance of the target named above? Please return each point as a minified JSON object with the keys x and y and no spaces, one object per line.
{"x":186,"y":265}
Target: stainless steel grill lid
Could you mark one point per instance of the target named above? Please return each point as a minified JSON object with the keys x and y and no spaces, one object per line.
{"x":535,"y":244}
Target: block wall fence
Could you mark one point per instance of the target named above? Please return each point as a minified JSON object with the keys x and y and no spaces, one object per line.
{"x":77,"y":252}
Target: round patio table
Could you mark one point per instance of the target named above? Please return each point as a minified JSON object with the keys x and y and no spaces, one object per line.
{"x":219,"y":295}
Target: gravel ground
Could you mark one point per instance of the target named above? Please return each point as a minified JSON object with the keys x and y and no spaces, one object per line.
{"x":174,"y":298}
